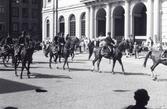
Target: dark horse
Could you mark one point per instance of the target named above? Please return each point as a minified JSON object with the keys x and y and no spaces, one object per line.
{"x":54,"y":52}
{"x":156,"y":56}
{"x":25,"y":57}
{"x":116,"y":55}
{"x":69,"y":49}
{"x":6,"y":51}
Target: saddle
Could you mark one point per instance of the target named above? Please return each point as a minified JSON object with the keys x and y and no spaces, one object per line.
{"x":106,"y":50}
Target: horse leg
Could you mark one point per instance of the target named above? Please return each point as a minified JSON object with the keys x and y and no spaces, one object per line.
{"x":120,"y":61}
{"x":15,"y":66}
{"x":56,"y":57}
{"x":154,"y":77}
{"x":68,"y":65}
{"x":28,"y":68}
{"x":22,"y":69}
{"x":98,"y":64}
{"x":60,"y":58}
{"x":50,"y":61}
{"x":72,"y":56}
{"x":4,"y":60}
{"x":65,"y":61}
{"x":114,"y":61}
{"x":94,"y":61}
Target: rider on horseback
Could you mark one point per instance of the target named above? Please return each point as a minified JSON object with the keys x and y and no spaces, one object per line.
{"x":23,"y":41}
{"x":61,"y":42}
{"x":109,"y":43}
{"x":8,"y":41}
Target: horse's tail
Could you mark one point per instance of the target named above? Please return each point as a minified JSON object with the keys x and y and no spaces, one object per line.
{"x":146,"y":58}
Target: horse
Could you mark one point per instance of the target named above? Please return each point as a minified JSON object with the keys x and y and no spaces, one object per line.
{"x":116,"y":55}
{"x":68,"y":50}
{"x":75,"y":44}
{"x":156,"y":56}
{"x":6,"y":51}
{"x":54,"y":52}
{"x":25,"y":57}
{"x":138,"y":49}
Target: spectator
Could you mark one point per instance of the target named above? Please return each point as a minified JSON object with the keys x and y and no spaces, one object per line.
{"x":141,"y":97}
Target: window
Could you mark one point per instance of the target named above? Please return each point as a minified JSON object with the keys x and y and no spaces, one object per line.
{"x":25,"y":26}
{"x":83,"y":25}
{"x":15,"y":11}
{"x":2,"y":10}
{"x":61,"y":24}
{"x":24,"y":12}
{"x":34,"y":27}
{"x":2,"y":27}
{"x":34,"y":13}
{"x":72,"y":25}
{"x":47,"y":28}
{"x":34,"y":1}
{"x":25,"y":1}
{"x":15,"y":27}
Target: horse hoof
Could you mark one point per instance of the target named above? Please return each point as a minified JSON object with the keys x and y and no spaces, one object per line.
{"x":100,"y":71}
{"x":154,"y":79}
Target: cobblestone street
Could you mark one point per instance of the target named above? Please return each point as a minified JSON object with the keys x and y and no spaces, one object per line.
{"x":81,"y":88}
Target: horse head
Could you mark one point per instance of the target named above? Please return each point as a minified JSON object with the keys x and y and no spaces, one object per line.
{"x":126,"y":44}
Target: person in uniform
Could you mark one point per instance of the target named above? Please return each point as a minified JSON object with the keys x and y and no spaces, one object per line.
{"x":9,"y":40}
{"x":109,"y":43}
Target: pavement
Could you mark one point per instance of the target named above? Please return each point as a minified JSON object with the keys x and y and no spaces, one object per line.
{"x":81,"y":88}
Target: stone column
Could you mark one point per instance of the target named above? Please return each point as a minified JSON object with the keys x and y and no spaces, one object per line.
{"x":92,"y":22}
{"x":66,"y":26}
{"x":108,"y":18}
{"x":112,"y":26}
{"x":127,"y":20}
{"x":78,"y":26}
{"x":156,"y":37}
{"x":87,"y":23}
{"x":149,"y":19}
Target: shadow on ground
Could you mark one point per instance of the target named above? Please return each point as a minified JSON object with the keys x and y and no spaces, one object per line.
{"x":9,"y":107}
{"x":79,"y":69}
{"x":162,"y":80}
{"x":37,"y":75}
{"x":129,"y":73}
{"x":7,"y":69}
{"x":8,"y":86}
{"x":121,"y":90}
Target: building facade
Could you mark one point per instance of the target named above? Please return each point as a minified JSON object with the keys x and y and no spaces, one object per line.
{"x":25,"y":15}
{"x":19,"y":15}
{"x":4,"y":17}
{"x":137,"y":19}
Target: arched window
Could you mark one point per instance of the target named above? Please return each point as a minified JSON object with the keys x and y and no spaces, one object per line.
{"x":61,"y":24}
{"x":83,"y":24}
{"x":47,"y":28}
{"x":72,"y":25}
